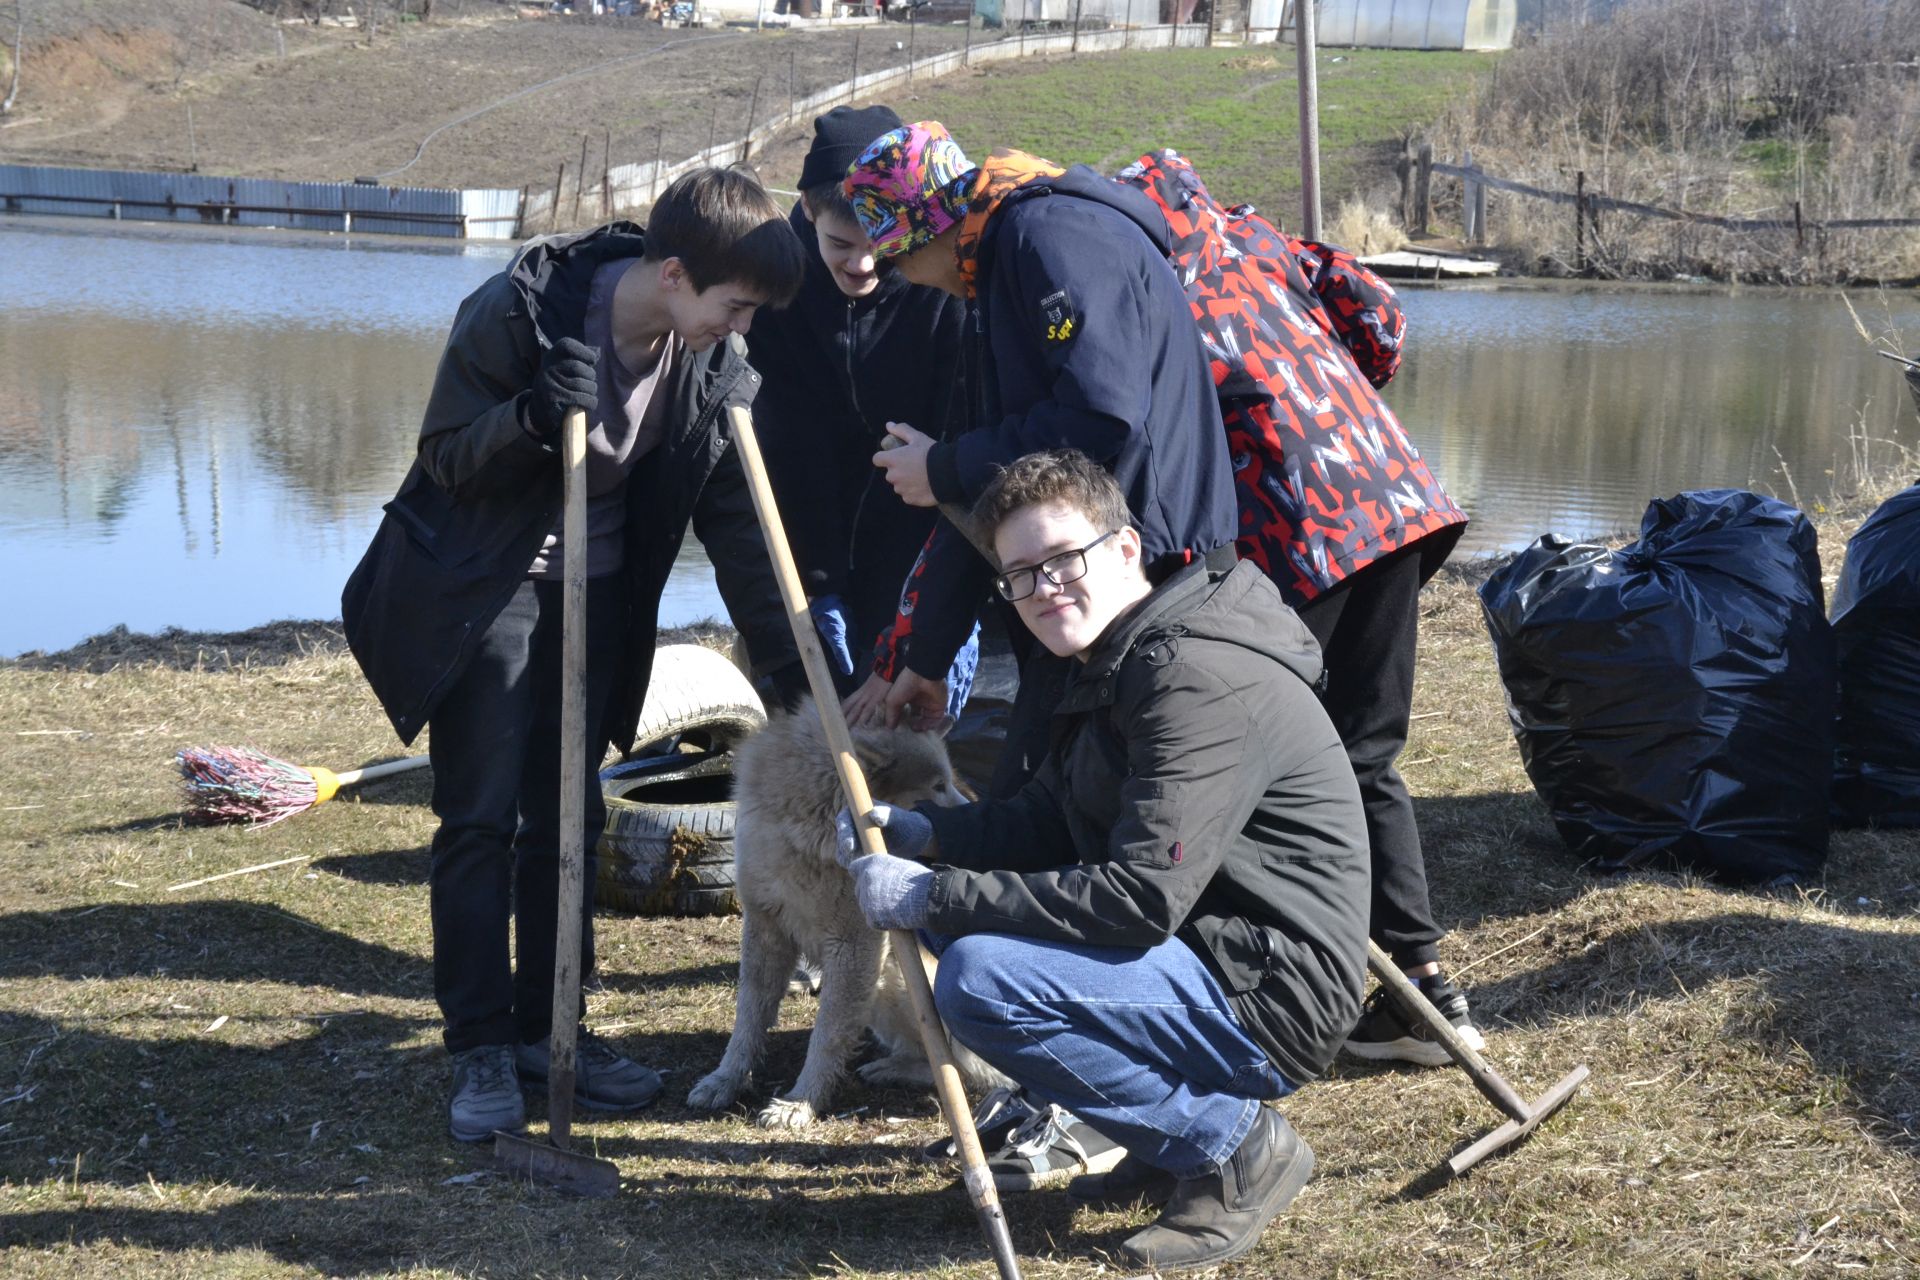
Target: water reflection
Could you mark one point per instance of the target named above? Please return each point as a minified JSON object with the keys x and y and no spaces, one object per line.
{"x":1565,"y":412}
{"x":198,"y":429}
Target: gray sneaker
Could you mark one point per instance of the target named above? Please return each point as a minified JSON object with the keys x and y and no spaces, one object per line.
{"x":1051,"y":1147}
{"x":486,"y":1094}
{"x":604,"y":1079}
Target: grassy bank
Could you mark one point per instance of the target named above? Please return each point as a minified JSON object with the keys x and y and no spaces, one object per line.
{"x":243,"y":1079}
{"x":1235,"y":111}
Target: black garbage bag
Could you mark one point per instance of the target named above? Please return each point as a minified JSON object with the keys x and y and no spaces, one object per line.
{"x":1876,"y":631}
{"x":1672,"y":699}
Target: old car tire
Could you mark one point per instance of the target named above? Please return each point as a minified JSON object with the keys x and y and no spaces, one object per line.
{"x":670,"y":852}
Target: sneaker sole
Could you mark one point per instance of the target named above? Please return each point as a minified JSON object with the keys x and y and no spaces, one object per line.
{"x":594,"y":1104}
{"x":484,"y":1135}
{"x":1028,"y":1180}
{"x":1425,"y":1053}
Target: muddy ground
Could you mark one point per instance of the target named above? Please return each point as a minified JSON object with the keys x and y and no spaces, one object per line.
{"x":293,"y":101}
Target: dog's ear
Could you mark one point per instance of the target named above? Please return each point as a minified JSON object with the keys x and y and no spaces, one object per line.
{"x":942,"y":727}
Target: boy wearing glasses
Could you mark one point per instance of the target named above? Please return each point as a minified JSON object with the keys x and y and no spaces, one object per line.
{"x":1166,"y":927}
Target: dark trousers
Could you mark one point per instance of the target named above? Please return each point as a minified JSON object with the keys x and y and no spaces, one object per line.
{"x":495,"y":747}
{"x":1367,"y":626}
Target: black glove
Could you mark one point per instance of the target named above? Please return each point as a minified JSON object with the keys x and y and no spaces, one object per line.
{"x":566,"y":381}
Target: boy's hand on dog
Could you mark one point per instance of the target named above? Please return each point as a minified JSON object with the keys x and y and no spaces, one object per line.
{"x":907,"y":833}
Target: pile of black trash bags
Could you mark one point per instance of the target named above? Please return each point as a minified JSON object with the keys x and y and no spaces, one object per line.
{"x":1686,"y":700}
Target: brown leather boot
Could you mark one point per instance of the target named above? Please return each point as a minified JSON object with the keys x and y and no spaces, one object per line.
{"x":1220,"y":1215}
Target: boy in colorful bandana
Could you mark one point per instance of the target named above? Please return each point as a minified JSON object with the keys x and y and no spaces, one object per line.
{"x":1082,"y":338}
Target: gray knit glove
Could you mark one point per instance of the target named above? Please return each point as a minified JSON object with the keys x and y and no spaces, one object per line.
{"x":892,"y":892}
{"x":906,"y":832}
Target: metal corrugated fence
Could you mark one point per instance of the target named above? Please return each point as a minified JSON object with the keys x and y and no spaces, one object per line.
{"x":260,"y":202}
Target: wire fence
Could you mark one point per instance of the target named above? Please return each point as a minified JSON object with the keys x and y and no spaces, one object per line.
{"x":774,"y":108}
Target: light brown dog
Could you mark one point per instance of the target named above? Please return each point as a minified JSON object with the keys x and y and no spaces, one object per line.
{"x":796,"y":897}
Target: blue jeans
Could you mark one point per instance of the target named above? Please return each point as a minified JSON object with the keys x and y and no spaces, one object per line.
{"x":1139,"y":1043}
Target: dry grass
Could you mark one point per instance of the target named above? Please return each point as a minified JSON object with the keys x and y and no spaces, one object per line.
{"x":1753,"y":1108}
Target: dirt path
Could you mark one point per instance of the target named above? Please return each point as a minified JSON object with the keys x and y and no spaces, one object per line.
{"x":348,"y":110}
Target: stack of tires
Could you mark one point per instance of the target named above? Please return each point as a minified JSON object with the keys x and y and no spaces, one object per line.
{"x":668,"y":844}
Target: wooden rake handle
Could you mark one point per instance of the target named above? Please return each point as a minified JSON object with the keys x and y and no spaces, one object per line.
{"x":573,"y":779}
{"x":853,"y":785}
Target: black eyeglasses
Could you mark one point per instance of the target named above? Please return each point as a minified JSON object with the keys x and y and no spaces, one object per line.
{"x":1068,"y":566}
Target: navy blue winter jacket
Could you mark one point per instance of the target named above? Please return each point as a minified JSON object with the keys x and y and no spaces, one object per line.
{"x":1082,"y":337}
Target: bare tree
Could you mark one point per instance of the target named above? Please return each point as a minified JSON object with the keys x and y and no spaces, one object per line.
{"x":19,"y":42}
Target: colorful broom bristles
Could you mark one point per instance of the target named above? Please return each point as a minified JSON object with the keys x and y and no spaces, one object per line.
{"x":239,"y":784}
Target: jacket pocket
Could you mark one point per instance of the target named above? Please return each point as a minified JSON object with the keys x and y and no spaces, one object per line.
{"x":456,"y":534}
{"x":1242,"y":952}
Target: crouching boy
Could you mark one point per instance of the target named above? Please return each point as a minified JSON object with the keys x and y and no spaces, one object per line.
{"x":1166,"y":928}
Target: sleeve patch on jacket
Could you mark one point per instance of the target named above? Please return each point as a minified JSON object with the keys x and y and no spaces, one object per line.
{"x":1057,"y":315}
{"x":1175,"y":852}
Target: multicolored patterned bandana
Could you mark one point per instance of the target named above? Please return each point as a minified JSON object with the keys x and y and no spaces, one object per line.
{"x":908,"y":186}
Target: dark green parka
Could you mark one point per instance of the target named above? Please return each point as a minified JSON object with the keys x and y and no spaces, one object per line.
{"x":1195,"y":789}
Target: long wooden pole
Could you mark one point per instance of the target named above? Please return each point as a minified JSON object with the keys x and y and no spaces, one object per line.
{"x":853,"y":785}
{"x":573,"y":780}
{"x":1304,"y":40}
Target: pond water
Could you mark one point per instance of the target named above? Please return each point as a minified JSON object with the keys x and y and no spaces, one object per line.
{"x":197,"y":428}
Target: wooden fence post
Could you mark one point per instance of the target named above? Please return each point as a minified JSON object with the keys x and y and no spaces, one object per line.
{"x":559,"y":185}
{"x":1422,"y":187}
{"x":1403,"y":170}
{"x":853,"y":80}
{"x":606,"y":175}
{"x":753,"y":105}
{"x":966,"y":50}
{"x":1580,"y":222}
{"x":790,"y":94}
{"x":1073,"y":46}
{"x":580,"y":179}
{"x":653,"y":182}
{"x":913,"y":29}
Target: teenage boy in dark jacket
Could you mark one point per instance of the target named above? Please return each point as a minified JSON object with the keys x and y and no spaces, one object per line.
{"x":859,"y":348}
{"x":1083,"y":340}
{"x":1167,"y":925}
{"x":454,"y":611}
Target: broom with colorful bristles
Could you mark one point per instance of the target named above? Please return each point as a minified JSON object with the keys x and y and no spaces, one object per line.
{"x":239,"y":784}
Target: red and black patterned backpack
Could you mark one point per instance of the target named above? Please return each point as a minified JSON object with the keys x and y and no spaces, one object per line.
{"x":1299,"y":336}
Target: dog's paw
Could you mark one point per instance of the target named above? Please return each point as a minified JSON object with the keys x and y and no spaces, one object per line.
{"x":714,"y":1092}
{"x":786,"y":1113}
{"x":898,"y":1069}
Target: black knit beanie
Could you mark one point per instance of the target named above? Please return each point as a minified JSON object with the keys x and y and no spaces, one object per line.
{"x":838,"y":139}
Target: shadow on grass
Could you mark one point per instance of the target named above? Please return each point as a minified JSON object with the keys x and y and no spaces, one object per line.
{"x":1841,"y":996}
{"x":386,"y":867}
{"x":207,"y":940}
{"x":744,"y":1226}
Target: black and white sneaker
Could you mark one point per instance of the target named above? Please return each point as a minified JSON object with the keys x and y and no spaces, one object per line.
{"x":1383,"y":1034}
{"x":1000,"y":1112}
{"x":1052,"y":1147}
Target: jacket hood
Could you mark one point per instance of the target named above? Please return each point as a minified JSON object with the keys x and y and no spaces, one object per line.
{"x":553,"y":274}
{"x":1239,"y":607}
{"x":1084,"y":183}
{"x":1009,"y":177}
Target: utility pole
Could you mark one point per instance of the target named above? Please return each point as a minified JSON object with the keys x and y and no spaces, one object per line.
{"x":1309,"y":119}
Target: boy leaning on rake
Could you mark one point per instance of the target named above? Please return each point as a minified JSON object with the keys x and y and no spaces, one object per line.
{"x":454,"y":612}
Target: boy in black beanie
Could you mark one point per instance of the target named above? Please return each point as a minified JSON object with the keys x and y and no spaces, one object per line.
{"x":856,"y":350}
